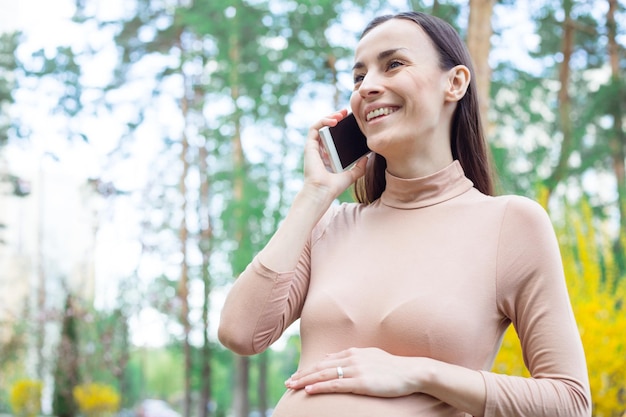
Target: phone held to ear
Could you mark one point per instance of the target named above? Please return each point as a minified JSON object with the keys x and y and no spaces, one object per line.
{"x":344,"y":143}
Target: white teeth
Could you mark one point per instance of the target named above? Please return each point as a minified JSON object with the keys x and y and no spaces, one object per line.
{"x":383,"y":111}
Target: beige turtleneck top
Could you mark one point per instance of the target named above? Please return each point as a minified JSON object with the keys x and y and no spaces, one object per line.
{"x":433,"y":268}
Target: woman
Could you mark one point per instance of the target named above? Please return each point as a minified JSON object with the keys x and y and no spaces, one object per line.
{"x":404,"y":297}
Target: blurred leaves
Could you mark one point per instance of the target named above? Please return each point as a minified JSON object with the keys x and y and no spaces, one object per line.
{"x":26,"y":398}
{"x":97,"y":400}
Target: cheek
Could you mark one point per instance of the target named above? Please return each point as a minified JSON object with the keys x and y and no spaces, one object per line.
{"x":355,"y":106}
{"x":355,"y":100}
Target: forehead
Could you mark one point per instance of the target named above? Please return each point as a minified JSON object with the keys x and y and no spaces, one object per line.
{"x":394,"y":34}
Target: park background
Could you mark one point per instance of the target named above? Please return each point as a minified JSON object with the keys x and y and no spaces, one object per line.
{"x":148,"y":149}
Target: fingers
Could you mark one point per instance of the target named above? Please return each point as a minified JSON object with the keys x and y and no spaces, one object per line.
{"x":329,"y":379}
{"x":317,"y":166}
{"x":330,"y":120}
{"x":358,"y":170}
{"x":363,"y":371}
{"x":336,"y":366}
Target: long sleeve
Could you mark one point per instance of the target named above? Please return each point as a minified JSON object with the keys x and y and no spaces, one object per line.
{"x":261,"y":306}
{"x":263,"y":303}
{"x":532,"y":293}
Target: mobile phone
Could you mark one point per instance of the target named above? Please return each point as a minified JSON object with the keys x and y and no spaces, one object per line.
{"x":344,"y":143}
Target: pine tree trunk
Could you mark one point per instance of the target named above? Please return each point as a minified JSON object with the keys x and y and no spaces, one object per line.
{"x":618,"y":141}
{"x":67,"y":372}
{"x":205,"y":249}
{"x":262,"y":388}
{"x":40,"y":308}
{"x":241,"y":402}
{"x":183,"y":285}
{"x":479,"y":33}
{"x":564,"y":102}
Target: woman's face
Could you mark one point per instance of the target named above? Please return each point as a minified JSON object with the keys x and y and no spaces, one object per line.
{"x":399,"y":96}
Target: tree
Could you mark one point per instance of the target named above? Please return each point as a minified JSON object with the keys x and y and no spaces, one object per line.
{"x":66,"y":373}
{"x":104,"y":349}
{"x":255,"y":72}
{"x":8,"y":64}
{"x":183,"y":285}
{"x":206,"y":236}
{"x":168,"y":44}
{"x":550,"y":129}
{"x":479,"y":31}
{"x":564,"y":102}
{"x":617,"y":140}
{"x":8,"y":82}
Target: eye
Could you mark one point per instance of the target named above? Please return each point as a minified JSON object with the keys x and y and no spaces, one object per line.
{"x":358,"y":78}
{"x":393,"y":64}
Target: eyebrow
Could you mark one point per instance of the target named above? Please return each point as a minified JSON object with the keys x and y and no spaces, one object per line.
{"x":381,"y":56}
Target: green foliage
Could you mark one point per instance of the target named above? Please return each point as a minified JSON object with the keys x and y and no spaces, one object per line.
{"x":26,"y":398}
{"x":159,"y":373}
{"x":163,"y":372}
{"x":529,"y":130}
{"x":104,"y":349}
{"x":14,"y":345}
{"x":8,"y":64}
{"x":13,"y":353}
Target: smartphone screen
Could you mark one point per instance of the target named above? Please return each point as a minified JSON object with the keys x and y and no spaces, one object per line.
{"x":345,"y":143}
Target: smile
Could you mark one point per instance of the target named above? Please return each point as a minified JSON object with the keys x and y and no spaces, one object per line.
{"x":383,"y":111}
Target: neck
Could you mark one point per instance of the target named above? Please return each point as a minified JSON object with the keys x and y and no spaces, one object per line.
{"x":423,"y":155}
{"x":419,"y":165}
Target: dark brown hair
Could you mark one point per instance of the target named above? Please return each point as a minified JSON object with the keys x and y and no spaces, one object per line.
{"x":467,"y":138}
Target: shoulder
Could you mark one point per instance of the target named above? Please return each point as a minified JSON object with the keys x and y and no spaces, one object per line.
{"x":339,"y":215}
{"x":507,"y":209}
{"x":520,"y":211}
{"x":527,"y":242}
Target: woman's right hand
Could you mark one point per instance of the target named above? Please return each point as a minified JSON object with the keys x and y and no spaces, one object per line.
{"x":318,"y":178}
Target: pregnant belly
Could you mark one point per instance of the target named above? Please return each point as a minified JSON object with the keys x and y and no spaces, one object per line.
{"x":300,"y":404}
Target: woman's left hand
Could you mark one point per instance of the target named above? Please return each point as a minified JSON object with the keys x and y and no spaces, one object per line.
{"x":364,"y":371}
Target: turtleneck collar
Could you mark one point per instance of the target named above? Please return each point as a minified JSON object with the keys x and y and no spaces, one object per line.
{"x":425,"y":191}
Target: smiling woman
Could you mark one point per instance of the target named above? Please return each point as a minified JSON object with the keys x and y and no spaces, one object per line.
{"x":404,"y":297}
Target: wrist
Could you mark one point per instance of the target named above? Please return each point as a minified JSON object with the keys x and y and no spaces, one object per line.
{"x":426,"y":375}
{"x":316,"y":195}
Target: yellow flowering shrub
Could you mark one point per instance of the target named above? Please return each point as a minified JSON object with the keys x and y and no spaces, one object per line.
{"x":598,"y":296}
{"x":25,"y":398}
{"x":96,"y":400}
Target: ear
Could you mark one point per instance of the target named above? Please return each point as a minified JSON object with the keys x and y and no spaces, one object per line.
{"x":458,"y":81}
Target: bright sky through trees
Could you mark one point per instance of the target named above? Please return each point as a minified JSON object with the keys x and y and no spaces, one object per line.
{"x":46,"y":24}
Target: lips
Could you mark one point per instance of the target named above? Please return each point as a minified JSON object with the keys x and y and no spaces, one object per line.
{"x":381,"y":111}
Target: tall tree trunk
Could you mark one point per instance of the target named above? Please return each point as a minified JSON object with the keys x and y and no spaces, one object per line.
{"x":183,"y":284}
{"x":331,"y":61}
{"x":564,"y":103}
{"x":40,"y":307}
{"x":205,"y":249}
{"x":618,"y":141}
{"x":479,"y":33}
{"x":435,"y":8}
{"x":262,"y":387}
{"x":120,"y":367}
{"x":241,"y":402}
{"x":67,"y":371}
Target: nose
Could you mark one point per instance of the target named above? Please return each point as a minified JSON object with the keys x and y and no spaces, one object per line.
{"x":370,"y":85}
